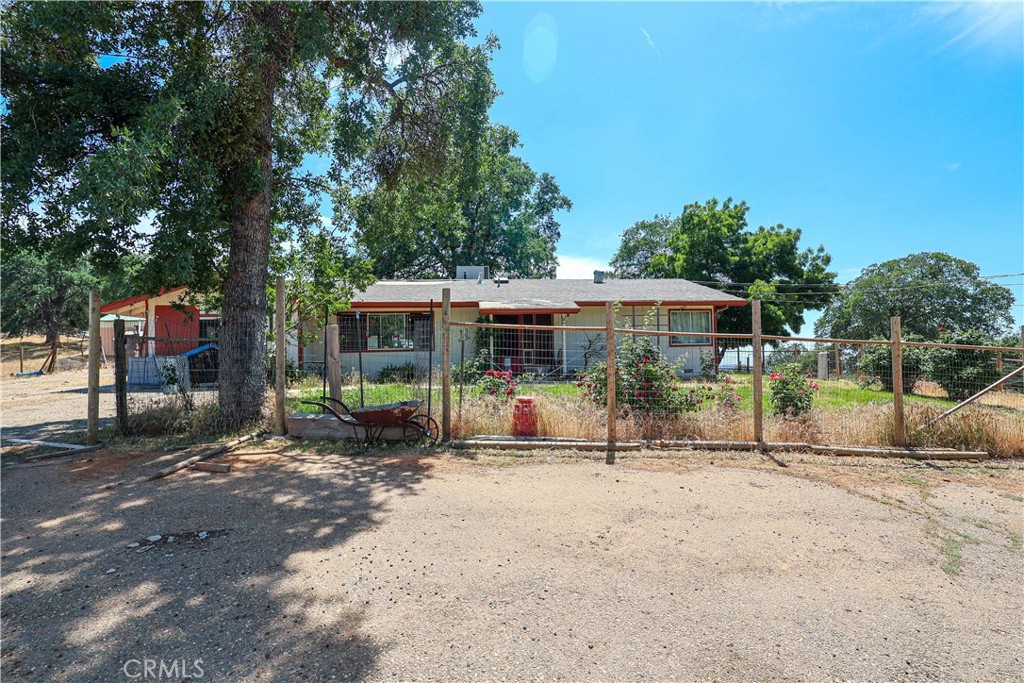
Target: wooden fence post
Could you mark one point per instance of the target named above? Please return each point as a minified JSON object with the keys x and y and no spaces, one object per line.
{"x":899,"y":425}
{"x":21,"y":358}
{"x":121,"y":376}
{"x":609,"y":312}
{"x":839,"y":363}
{"x":755,"y":308}
{"x":92,"y":436}
{"x":280,"y":422}
{"x":333,"y":361}
{"x":446,"y":364}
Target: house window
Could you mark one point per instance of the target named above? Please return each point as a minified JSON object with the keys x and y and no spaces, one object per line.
{"x":385,"y":331}
{"x":689,"y":321}
{"x":209,"y":328}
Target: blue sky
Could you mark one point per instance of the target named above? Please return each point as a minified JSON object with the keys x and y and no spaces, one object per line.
{"x":878,"y":129}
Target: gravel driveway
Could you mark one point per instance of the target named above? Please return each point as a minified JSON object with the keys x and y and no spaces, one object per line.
{"x":710,"y":567}
{"x":52,"y":407}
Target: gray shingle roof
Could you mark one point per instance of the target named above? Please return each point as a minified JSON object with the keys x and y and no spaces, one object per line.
{"x":580,"y":291}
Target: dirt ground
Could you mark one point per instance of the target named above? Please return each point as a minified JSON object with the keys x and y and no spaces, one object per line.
{"x":315,"y":565}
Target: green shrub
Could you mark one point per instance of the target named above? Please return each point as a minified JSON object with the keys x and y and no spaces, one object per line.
{"x":790,"y":392}
{"x":398,"y":372}
{"x":876,"y":364}
{"x":644,"y":382}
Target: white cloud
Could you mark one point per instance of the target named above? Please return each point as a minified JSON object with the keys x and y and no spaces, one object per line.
{"x":578,"y":267}
{"x":994,"y":26}
{"x":650,"y":41}
{"x":952,"y":166}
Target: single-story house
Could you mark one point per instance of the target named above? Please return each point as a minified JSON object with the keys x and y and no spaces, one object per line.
{"x":398,"y":322}
{"x":395,"y":322}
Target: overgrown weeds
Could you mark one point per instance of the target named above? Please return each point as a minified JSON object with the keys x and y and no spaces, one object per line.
{"x":998,"y":431}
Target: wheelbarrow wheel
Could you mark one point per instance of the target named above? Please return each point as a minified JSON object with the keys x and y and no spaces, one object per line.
{"x":412,"y":433}
{"x":429,"y":429}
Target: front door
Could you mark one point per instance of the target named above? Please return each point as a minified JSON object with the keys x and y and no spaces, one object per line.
{"x":521,"y":350}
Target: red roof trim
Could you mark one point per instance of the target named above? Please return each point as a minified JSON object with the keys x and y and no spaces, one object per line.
{"x":359,"y":305}
{"x":129,"y":300}
{"x":525,"y":311}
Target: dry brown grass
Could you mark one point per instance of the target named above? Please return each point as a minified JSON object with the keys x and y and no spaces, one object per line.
{"x":998,"y":431}
{"x":997,"y":397}
{"x":70,"y":355}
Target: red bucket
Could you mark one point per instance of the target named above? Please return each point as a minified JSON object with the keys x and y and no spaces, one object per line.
{"x":524,"y":417}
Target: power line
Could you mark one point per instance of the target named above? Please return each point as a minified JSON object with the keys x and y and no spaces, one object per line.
{"x":844,"y":284}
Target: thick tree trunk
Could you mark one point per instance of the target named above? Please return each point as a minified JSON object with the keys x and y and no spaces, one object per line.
{"x":243,"y":337}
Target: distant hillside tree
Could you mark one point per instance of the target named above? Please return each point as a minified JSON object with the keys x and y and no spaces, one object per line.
{"x":43,"y":293}
{"x":640,"y":243}
{"x":932,"y":292}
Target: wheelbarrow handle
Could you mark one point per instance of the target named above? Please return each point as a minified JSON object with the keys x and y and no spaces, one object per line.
{"x":348,"y":419}
{"x":338,"y":401}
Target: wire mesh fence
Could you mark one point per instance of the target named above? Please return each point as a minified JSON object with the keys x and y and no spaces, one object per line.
{"x":701,"y":386}
{"x":631,"y":378}
{"x":167,"y":382}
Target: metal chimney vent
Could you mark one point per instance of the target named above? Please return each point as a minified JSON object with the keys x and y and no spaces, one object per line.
{"x":599,"y":276}
{"x":472,"y":272}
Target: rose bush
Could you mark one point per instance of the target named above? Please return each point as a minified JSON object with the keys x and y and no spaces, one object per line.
{"x":499,"y":384}
{"x":789,"y":392}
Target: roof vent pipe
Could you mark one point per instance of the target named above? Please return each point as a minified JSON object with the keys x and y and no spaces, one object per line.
{"x":599,"y":276}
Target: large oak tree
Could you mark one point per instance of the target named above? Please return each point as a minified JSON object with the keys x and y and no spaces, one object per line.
{"x":490,"y":208}
{"x":710,"y":243}
{"x":197,"y":117}
{"x":931,"y":291}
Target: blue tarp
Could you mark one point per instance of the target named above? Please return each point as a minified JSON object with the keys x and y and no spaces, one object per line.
{"x":199,"y":349}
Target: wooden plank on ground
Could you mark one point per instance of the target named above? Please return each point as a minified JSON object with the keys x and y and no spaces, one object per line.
{"x":218,"y":467}
{"x":204,"y":455}
{"x":53,"y":444}
{"x":543,"y":445}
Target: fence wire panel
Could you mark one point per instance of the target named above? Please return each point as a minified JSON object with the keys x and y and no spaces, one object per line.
{"x":682,"y":387}
{"x":843,"y":394}
{"x":172,"y":383}
{"x":494,"y":366}
{"x":378,"y":365}
{"x":700,"y":386}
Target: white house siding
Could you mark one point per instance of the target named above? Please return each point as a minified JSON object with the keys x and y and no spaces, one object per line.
{"x":646,"y":317}
{"x":569,"y":345}
{"x":374,"y":361}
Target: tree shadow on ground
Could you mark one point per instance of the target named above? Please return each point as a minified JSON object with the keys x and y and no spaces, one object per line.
{"x":245,"y":599}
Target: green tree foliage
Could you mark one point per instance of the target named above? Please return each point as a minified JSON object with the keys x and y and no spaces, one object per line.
{"x":43,"y":293}
{"x":490,"y":208}
{"x":640,"y":243}
{"x":196,"y":117}
{"x":711,"y":243}
{"x":930,"y":291}
{"x":963,"y":372}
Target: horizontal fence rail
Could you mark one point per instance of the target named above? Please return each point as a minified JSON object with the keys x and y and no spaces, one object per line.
{"x":694,"y":386}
